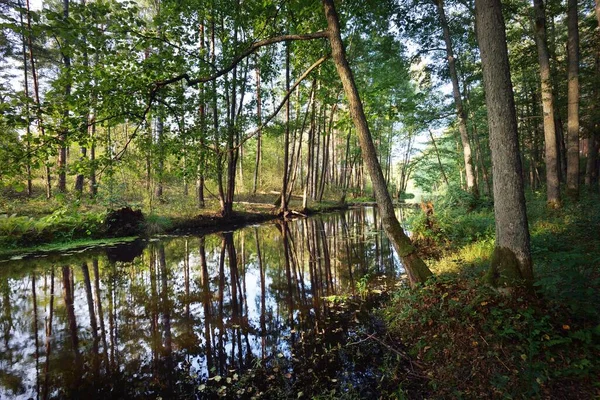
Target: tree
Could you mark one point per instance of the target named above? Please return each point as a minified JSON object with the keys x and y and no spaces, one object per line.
{"x":551,"y":149}
{"x":573,"y":102}
{"x":416,"y":269}
{"x":511,"y":261}
{"x":460,"y":112}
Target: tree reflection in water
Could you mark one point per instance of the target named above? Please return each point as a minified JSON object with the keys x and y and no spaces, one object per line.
{"x":188,"y":311}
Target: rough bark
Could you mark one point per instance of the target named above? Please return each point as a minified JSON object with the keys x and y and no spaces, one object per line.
{"x":415,"y":268}
{"x":551,"y":149}
{"x":511,"y":262}
{"x":573,"y":102}
{"x":458,"y":104}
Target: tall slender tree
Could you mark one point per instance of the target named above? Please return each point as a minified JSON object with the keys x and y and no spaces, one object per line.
{"x":511,"y":261}
{"x":62,"y":137}
{"x":573,"y":101}
{"x":551,"y":146}
{"x":458,"y":103}
{"x":415,"y":268}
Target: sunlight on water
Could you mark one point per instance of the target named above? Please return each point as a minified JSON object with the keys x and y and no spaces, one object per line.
{"x":184,"y":311}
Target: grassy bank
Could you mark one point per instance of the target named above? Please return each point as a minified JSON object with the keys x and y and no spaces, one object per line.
{"x":62,"y":223}
{"x":474,"y":342}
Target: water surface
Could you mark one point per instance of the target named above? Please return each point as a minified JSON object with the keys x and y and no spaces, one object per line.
{"x":174,"y":317}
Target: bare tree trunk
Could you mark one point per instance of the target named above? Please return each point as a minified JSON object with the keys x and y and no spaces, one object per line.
{"x":28,"y":116}
{"x":310,"y":158}
{"x":160,"y":131}
{"x":202,"y":111}
{"x":416,"y":269}
{"x":93,"y":186}
{"x":591,"y":170}
{"x":460,"y":112}
{"x":259,"y":133}
{"x":36,"y":91}
{"x":511,"y":262}
{"x":62,"y":137}
{"x":437,"y":153}
{"x":552,"y":181}
{"x":573,"y":102}
{"x":286,"y":141}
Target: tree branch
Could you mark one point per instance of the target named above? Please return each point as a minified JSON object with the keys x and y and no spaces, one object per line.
{"x":250,"y":50}
{"x":285,"y":99}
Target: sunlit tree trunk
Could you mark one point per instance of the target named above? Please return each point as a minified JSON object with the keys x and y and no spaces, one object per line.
{"x":458,"y":104}
{"x":259,"y":133}
{"x":160,"y":150}
{"x":202,"y":114}
{"x":62,"y":137}
{"x":551,"y":151}
{"x":573,"y":101}
{"x":27,"y":110}
{"x":286,"y":141}
{"x":310,"y":157}
{"x":38,"y":104}
{"x":416,"y":269}
{"x":511,"y":262}
{"x":85,"y":119}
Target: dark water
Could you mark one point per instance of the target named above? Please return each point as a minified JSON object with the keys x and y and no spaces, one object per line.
{"x":226,"y":314}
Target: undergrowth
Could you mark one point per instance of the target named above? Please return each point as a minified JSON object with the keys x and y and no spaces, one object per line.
{"x":64,"y":224}
{"x":478,"y":343}
{"x":475,"y":342}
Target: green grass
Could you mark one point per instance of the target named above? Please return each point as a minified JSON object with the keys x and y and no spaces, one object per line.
{"x":475,"y":342}
{"x":61,"y":247}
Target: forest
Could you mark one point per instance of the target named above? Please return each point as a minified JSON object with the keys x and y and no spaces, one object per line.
{"x":423,"y":178}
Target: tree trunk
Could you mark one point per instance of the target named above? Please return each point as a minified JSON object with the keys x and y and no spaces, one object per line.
{"x":160,"y":131}
{"x":573,"y":102}
{"x":460,"y":112}
{"x":62,"y":137}
{"x":38,"y":104}
{"x":437,"y":154}
{"x":27,"y":111}
{"x":202,"y":111}
{"x":551,"y":150}
{"x":86,"y":123}
{"x":259,"y":133}
{"x":511,"y":261}
{"x":310,"y":149}
{"x":416,"y":269}
{"x":93,"y":186}
{"x":286,"y":141}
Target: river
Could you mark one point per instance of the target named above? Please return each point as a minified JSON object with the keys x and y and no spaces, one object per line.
{"x":232,"y":314}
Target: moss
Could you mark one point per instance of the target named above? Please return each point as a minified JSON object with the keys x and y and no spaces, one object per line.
{"x":61,"y":247}
{"x":504,"y":269}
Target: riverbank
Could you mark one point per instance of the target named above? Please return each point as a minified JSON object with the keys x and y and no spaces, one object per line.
{"x":475,"y":342}
{"x":27,"y":231}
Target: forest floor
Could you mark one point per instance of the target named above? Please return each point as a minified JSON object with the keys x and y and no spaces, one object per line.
{"x":472,"y":341}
